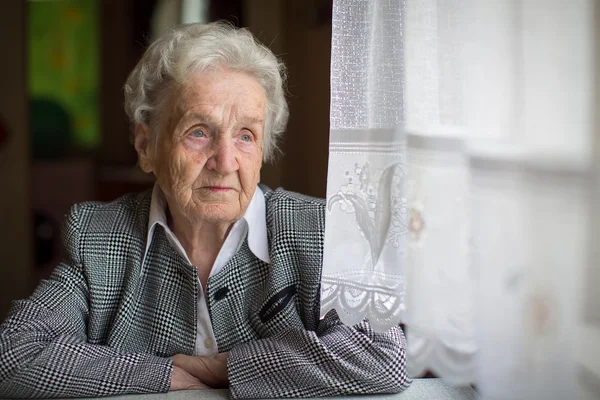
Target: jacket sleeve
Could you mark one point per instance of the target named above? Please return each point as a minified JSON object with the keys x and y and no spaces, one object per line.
{"x":333,"y":360}
{"x":43,"y":342}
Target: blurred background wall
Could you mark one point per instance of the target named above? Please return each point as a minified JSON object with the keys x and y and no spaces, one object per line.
{"x":64,"y":137}
{"x":16,"y":264}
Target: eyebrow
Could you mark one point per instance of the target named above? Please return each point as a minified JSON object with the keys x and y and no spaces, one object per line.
{"x":253,"y":120}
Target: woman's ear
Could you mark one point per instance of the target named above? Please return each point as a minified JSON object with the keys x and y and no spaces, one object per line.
{"x":143,"y":146}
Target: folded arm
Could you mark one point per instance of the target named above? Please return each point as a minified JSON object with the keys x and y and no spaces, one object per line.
{"x":333,"y":360}
{"x":44,"y":350}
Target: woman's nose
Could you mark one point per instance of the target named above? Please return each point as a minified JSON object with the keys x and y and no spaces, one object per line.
{"x":223,"y":158}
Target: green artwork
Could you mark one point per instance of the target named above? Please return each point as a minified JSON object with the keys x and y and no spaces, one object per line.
{"x":64,"y":74}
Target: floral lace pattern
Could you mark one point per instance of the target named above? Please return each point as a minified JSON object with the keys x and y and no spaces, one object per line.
{"x":368,"y":210}
{"x":379,"y":207}
{"x":370,"y":205}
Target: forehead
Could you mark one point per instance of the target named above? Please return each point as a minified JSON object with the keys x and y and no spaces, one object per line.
{"x":222,"y":90}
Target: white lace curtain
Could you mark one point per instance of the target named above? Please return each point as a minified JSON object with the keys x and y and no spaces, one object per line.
{"x":462,"y":193}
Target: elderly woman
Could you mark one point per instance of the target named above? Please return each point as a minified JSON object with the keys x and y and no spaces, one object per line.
{"x":209,"y":280}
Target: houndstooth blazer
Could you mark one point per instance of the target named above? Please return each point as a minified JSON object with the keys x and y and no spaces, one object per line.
{"x":103,"y":324}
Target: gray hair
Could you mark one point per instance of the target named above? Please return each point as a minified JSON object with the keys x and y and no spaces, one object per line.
{"x":195,"y":48}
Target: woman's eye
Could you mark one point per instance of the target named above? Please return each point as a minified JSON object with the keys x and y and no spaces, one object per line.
{"x":246,"y":138}
{"x":198,"y":133}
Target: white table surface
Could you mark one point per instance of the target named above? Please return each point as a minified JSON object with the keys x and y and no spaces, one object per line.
{"x":421,"y":389}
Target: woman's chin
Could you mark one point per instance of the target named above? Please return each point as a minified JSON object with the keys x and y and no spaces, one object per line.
{"x":218,"y":212}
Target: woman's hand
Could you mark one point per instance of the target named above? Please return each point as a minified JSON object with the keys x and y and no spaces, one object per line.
{"x":199,"y":372}
{"x":181,"y":380}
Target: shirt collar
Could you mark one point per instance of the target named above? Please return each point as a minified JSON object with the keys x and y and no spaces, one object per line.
{"x":255,"y":217}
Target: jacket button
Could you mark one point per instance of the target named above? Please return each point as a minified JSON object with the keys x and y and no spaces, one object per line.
{"x":221,"y":293}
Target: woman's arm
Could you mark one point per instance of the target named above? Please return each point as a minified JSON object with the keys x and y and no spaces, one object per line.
{"x":43,"y":342}
{"x":335,"y":360}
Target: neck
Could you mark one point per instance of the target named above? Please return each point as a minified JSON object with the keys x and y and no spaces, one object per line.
{"x":202,"y":240}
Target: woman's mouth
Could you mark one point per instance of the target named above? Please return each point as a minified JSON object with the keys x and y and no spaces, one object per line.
{"x":218,"y":188}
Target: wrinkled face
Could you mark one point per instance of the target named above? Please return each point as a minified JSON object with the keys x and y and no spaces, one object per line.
{"x":209,"y":149}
